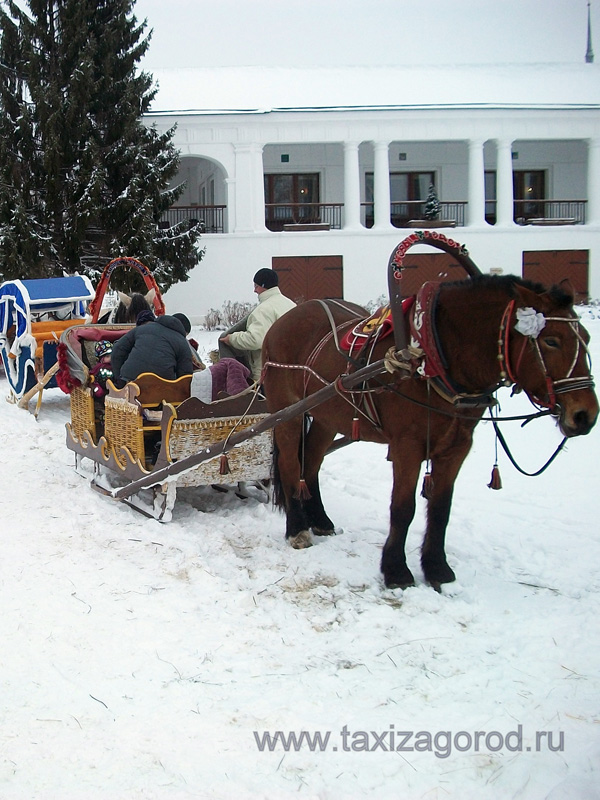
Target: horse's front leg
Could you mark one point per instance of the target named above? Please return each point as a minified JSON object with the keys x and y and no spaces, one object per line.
{"x":444,"y":471}
{"x":407,"y":464}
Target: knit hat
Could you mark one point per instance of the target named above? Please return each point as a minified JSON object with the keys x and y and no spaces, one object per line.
{"x":144,"y":316}
{"x":187,"y":325}
{"x":103,"y":348}
{"x":267,"y":278}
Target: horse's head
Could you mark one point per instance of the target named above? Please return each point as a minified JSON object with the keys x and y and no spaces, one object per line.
{"x":548,"y":355}
{"x":131,"y":305}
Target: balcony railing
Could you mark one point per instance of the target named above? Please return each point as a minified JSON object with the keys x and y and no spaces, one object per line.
{"x":279,"y":214}
{"x":550,"y":212}
{"x":210,"y":217}
{"x":526,"y":212}
{"x":402,"y":213}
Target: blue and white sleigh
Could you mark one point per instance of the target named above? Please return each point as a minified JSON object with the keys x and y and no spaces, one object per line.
{"x":33,"y":315}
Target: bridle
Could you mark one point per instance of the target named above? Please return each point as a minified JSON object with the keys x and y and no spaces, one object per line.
{"x":554,"y":387}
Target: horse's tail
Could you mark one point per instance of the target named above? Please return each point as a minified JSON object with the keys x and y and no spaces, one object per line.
{"x":278,"y":492}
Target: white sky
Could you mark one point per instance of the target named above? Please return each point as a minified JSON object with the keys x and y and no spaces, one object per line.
{"x":206,"y":33}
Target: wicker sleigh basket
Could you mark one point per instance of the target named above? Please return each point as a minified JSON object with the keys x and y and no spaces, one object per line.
{"x":250,"y":461}
{"x":143,"y":432}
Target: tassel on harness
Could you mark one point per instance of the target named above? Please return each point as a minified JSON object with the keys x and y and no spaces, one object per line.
{"x":427,"y":490}
{"x":355,"y":429}
{"x":496,"y":480}
{"x":224,"y":468}
{"x":302,"y":492}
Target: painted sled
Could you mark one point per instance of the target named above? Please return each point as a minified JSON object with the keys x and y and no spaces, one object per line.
{"x":33,"y":315}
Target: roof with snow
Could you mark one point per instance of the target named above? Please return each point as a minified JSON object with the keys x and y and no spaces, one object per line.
{"x":263,"y":89}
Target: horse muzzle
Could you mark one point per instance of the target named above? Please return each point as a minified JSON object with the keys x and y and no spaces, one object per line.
{"x":577,"y":418}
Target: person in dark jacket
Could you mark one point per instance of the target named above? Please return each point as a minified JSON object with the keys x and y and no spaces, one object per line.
{"x":159,"y":346}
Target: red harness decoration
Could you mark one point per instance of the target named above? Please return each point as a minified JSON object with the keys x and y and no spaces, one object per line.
{"x":423,"y":331}
{"x":424,"y":335}
{"x":377,"y":326}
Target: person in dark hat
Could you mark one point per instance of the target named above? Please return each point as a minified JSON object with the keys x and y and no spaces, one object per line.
{"x":187,"y":325}
{"x":158,"y":346}
{"x":244,"y":340}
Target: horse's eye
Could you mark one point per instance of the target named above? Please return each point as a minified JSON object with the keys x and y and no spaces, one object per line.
{"x":550,"y":341}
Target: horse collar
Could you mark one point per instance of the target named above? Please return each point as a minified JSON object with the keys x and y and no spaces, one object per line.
{"x":434,"y":367}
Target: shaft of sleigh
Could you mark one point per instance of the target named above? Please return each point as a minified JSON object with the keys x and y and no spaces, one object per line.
{"x":347,"y":381}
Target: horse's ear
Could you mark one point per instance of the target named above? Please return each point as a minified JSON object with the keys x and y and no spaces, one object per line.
{"x":125,"y":299}
{"x":567,"y":287}
{"x":528,"y":297}
{"x":149,"y":296}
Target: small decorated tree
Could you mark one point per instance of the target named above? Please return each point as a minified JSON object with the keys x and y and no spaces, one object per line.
{"x":432,"y":204}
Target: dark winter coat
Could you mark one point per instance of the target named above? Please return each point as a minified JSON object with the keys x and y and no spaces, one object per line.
{"x":160,"y":347}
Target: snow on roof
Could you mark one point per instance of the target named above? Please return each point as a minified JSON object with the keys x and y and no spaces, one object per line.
{"x":262,"y":89}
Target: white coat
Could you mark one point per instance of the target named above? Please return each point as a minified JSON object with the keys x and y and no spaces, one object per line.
{"x":271,"y":305}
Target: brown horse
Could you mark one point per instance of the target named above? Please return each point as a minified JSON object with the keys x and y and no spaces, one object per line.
{"x":483,"y":344}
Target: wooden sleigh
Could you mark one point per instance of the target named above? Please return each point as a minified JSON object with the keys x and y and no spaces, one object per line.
{"x":151,"y":424}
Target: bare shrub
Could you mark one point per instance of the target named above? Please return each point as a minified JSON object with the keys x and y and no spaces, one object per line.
{"x":234,"y":311}
{"x":212,"y":320}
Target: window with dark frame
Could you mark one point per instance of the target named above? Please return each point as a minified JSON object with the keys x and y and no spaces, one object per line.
{"x":291,"y":198}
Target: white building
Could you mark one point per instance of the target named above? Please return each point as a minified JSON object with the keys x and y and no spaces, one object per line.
{"x":321,"y":173}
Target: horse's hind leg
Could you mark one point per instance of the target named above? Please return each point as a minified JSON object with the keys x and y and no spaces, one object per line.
{"x":287,"y":482}
{"x":317,"y":442}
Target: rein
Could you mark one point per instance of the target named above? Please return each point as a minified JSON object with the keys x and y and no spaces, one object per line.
{"x":511,"y":458}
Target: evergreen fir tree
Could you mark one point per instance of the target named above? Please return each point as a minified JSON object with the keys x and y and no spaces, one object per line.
{"x":82,"y":179}
{"x":432,"y":204}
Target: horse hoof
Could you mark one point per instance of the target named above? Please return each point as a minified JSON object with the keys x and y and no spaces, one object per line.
{"x":399,"y":585}
{"x":323,"y":531}
{"x":301,"y":540}
{"x":438,"y":574}
{"x":404,"y":581}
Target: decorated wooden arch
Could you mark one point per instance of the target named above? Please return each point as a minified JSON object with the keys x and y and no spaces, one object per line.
{"x":125,"y":262}
{"x":396,"y":265}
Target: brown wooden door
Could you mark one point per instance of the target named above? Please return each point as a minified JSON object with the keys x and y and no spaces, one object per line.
{"x":422,"y":267}
{"x":310,"y":277}
{"x":552,"y":266}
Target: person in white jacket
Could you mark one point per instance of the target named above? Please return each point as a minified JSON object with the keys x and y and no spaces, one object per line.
{"x":244,"y":340}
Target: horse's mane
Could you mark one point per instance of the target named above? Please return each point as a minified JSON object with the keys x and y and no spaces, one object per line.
{"x":507,"y":283}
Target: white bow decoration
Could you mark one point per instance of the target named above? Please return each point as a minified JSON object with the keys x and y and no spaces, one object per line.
{"x":530,"y":322}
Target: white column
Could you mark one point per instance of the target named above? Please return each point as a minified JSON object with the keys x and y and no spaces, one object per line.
{"x":229,"y":221}
{"x":593,"y":182}
{"x":381,"y":187}
{"x":476,"y":206}
{"x":351,"y":186}
{"x":504,"y":184}
{"x":249,"y":188}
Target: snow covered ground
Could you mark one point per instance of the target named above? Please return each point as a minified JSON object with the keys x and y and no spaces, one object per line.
{"x":142,"y":660}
